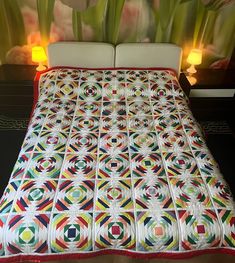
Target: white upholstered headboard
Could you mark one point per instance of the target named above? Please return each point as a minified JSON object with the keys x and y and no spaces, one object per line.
{"x":103,"y":55}
{"x":81,"y":54}
{"x":147,"y":55}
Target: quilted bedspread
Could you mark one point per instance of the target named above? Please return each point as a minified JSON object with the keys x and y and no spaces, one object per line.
{"x":113,"y":160}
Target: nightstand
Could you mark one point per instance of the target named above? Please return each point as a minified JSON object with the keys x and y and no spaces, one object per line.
{"x":213,"y":83}
{"x":212,"y":97}
{"x":16,"y":90}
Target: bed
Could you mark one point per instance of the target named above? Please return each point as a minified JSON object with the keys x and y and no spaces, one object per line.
{"x":114,"y":167}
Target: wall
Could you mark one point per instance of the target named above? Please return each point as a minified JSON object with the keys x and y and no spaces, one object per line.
{"x":209,"y":24}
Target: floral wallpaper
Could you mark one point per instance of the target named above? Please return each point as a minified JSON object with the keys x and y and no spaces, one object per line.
{"x":205,"y":24}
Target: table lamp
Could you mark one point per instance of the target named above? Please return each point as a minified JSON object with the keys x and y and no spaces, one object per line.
{"x":39,"y":55}
{"x":194,"y":58}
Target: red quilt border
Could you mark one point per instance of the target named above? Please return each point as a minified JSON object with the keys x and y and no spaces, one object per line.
{"x":79,"y":256}
{"x":109,"y":68}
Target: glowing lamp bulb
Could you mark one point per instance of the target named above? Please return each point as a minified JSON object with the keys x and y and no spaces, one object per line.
{"x":39,"y":55}
{"x":194,"y":58}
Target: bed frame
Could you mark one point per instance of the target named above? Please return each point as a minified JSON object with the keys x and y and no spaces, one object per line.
{"x":147,"y":55}
{"x":103,"y":55}
{"x":81,"y":54}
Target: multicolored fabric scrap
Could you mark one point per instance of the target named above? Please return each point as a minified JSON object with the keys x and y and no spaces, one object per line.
{"x":114,"y":160}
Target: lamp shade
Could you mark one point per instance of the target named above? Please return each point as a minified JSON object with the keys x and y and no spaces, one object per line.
{"x":195,"y":57}
{"x":38,"y":54}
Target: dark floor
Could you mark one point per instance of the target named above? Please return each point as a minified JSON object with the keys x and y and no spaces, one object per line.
{"x":10,"y":143}
{"x":222,"y":147}
{"x":221,"y":142}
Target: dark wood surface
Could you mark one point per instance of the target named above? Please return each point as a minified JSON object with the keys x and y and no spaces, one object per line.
{"x":15,"y":73}
{"x":16,"y":89}
{"x":214,"y":108}
{"x":214,"y":79}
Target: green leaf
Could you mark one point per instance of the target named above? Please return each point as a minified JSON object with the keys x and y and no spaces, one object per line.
{"x":15,"y":22}
{"x":164,"y":17}
{"x":45,"y":16}
{"x":94,"y":17}
{"x":184,"y":1}
{"x":112,"y":21}
{"x":11,"y":26}
{"x":208,"y":27}
{"x":184,"y":22}
{"x":5,"y":38}
{"x":77,"y":25}
{"x":200,"y":18}
{"x":224,"y":31}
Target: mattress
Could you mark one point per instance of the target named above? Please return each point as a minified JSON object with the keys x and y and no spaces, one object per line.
{"x":113,"y":162}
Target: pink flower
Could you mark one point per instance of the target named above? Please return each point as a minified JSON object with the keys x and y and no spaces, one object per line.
{"x":130,"y":14}
{"x":87,"y":32}
{"x":220,"y":64}
{"x":145,"y":40}
{"x":63,"y":20}
{"x":19,"y":55}
{"x":134,"y":21}
{"x":56,"y":33}
{"x":30,"y":18}
{"x":34,"y":38}
{"x":156,"y":4}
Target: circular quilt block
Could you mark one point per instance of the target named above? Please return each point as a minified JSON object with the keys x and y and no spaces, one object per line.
{"x":90,"y":91}
{"x":113,"y":124}
{"x":144,"y":142}
{"x":113,"y":143}
{"x":113,"y":166}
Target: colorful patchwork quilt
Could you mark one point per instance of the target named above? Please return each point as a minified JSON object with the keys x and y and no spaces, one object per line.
{"x":114,"y":162}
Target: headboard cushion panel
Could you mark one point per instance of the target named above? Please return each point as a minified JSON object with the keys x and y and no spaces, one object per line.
{"x":146,"y":55}
{"x":81,"y":54}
